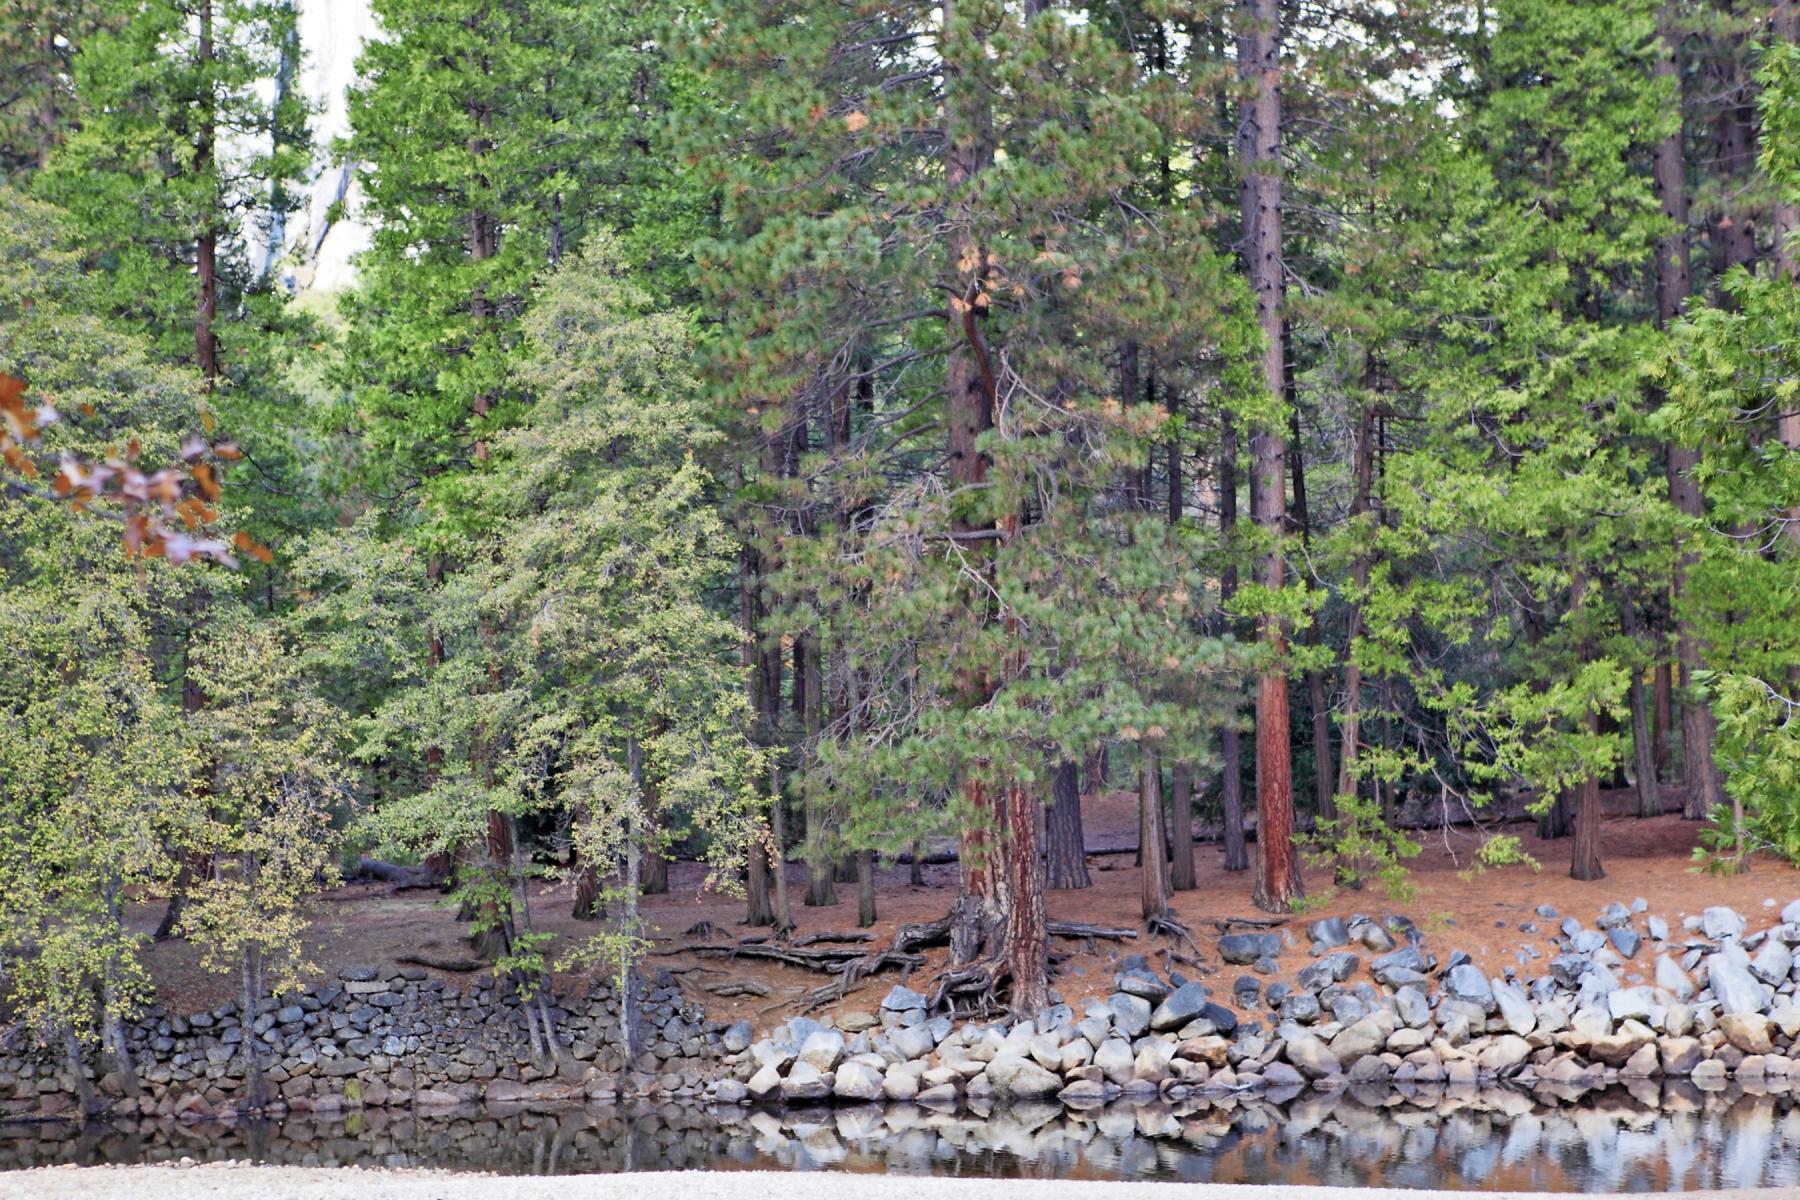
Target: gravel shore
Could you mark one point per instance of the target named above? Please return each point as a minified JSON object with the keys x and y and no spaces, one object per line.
{"x":299,"y":1183}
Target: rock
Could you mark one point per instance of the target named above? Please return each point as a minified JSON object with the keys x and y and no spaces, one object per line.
{"x":1223,"y":1019}
{"x":1303,"y":1007}
{"x":1644,"y":1063}
{"x":1314,"y":1059}
{"x":1078,"y":1053}
{"x":764,"y":1084}
{"x":1773,"y":963}
{"x":857,"y":1081}
{"x":822,"y":1050}
{"x":1267,"y":965}
{"x":1515,"y":1009}
{"x":856,"y":1021}
{"x":900,"y":1085}
{"x":1370,"y":1068}
{"x":1749,"y":1032}
{"x":903,"y":999}
{"x":1243,"y":949}
{"x":1373,"y":937}
{"x":1131,"y":1014}
{"x":1413,"y":1007}
{"x":1347,"y":1008}
{"x":1616,"y":1049}
{"x":1467,"y":983}
{"x":1409,"y":958}
{"x":804,"y":1082}
{"x":729,"y":1091}
{"x":1672,"y":979}
{"x":1182,"y":1005}
{"x":1367,"y":1036}
{"x":1141,"y":982}
{"x":736,"y":1039}
{"x":1720,"y":922}
{"x":1278,"y":1076}
{"x":1632,"y":1003}
{"x":1709,"y":1076}
{"x":1625,"y":940}
{"x":1736,"y":990}
{"x":1213,"y":1050}
{"x":1786,"y":1017}
{"x":1503,"y":1054}
{"x":1083,"y":1093}
{"x":1152,"y":1061}
{"x":1246,"y":991}
{"x":1015,"y":1078}
{"x":1659,"y":928}
{"x":1115,"y":1060}
{"x":1613,"y":916}
{"x":1329,"y":932}
{"x":1568,"y":970}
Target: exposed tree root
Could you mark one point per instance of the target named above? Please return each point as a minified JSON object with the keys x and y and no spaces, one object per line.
{"x":461,"y":965}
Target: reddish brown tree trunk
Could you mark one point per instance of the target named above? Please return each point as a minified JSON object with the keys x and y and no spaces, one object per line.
{"x":206,"y":242}
{"x":1181,"y":828}
{"x":1231,"y":753}
{"x":1785,"y":27}
{"x":1584,"y":846}
{"x":1153,"y":890}
{"x":1278,"y":882}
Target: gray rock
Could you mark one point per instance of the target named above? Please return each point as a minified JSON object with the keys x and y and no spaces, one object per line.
{"x":1569,"y":969}
{"x":1625,"y":940}
{"x":1749,"y":1032}
{"x":1515,"y":1008}
{"x":730,"y":1091}
{"x":1736,"y":990}
{"x":822,"y":1050}
{"x":1329,"y":932}
{"x":1659,"y":928}
{"x":764,"y":1084}
{"x":1303,"y":1007}
{"x":804,"y":1082}
{"x":736,"y":1039}
{"x":1671,"y":978}
{"x":1401,"y":968}
{"x":1720,"y":922}
{"x":1018,"y":1078}
{"x":1629,"y":1004}
{"x":1546,"y":911}
{"x":1142,"y":983}
{"x":914,"y":1041}
{"x":1131,"y":1014}
{"x":855,"y":1080}
{"x":1347,"y":1008}
{"x":1115,"y":1061}
{"x":1266,"y":965}
{"x":1246,"y":990}
{"x":1245,"y":948}
{"x":1413,"y":1007}
{"x":1182,"y":1005}
{"x":1773,"y":963}
{"x":1613,"y":916}
{"x":1467,"y":983}
{"x":1222,"y":1019}
{"x":903,"y":999}
{"x":1312,"y":1057}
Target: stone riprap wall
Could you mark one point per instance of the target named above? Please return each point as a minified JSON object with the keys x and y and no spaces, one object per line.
{"x":384,"y":1037}
{"x":1629,"y":999}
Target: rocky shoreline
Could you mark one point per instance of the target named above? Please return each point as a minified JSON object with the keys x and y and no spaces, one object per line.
{"x":1710,"y":1002}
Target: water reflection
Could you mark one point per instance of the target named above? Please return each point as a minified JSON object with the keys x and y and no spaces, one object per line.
{"x":1645,"y":1139}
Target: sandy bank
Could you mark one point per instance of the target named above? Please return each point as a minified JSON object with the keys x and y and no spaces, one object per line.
{"x":297,"y":1183}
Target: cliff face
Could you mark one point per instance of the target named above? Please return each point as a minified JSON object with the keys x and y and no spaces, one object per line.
{"x":316,"y":245}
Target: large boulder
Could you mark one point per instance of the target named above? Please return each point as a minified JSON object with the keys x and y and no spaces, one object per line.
{"x":1131,"y":1014}
{"x":858,"y":1081}
{"x":822,"y":1050}
{"x":1115,"y":1060}
{"x":1314,"y":1059}
{"x":1720,"y":922}
{"x":1015,"y":1078}
{"x":1749,"y":1032}
{"x":1182,"y":1005}
{"x":1245,"y":948}
{"x":1467,"y":983}
{"x":1515,"y":1009}
{"x":804,"y":1082}
{"x":764,"y":1084}
{"x":1736,"y":990}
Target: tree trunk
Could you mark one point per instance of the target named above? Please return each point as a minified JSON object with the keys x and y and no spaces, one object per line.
{"x":1278,"y":884}
{"x":1662,"y":716}
{"x":1363,"y":478}
{"x":1301,"y":520}
{"x":1153,"y":886}
{"x":759,"y":911}
{"x":1584,"y":848}
{"x":1643,"y":751}
{"x":1673,"y":282}
{"x":784,"y":915}
{"x":865,"y":888}
{"x":1181,"y":828}
{"x":1067,"y":848}
{"x":1231,"y":754}
{"x":653,"y":874}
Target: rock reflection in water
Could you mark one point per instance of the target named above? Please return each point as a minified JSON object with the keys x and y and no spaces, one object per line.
{"x":1648,"y":1138}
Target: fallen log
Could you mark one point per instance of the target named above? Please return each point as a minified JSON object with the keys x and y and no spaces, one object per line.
{"x":459,"y":965}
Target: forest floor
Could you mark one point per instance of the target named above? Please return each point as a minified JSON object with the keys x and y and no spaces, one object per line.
{"x":370,"y":923}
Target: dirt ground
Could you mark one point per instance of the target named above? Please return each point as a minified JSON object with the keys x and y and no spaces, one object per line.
{"x":368,"y":923}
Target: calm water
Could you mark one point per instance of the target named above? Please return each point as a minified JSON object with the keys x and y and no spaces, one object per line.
{"x":1653,"y":1139}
